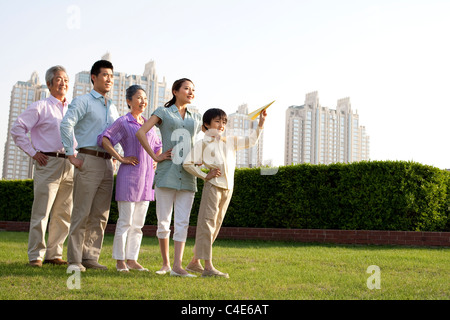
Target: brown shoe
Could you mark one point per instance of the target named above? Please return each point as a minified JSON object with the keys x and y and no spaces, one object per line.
{"x":36,"y":263}
{"x":214,"y":273}
{"x":75,"y":267}
{"x":193,"y":267}
{"x":56,"y":262}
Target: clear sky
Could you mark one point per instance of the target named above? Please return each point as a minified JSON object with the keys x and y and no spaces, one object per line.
{"x":392,"y":58}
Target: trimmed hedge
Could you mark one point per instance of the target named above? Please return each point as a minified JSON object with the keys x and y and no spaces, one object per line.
{"x":377,"y":195}
{"x":16,"y":200}
{"x":368,"y":195}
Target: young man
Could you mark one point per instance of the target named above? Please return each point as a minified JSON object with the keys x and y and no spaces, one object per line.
{"x":87,"y":117}
{"x":218,"y":154}
{"x":53,"y":173}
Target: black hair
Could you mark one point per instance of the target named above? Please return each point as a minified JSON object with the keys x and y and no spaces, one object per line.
{"x":131,"y":91}
{"x":96,"y":67}
{"x":213,"y":113}
{"x":175,"y":87}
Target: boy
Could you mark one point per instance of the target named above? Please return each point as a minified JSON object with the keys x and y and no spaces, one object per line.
{"x":218,"y":154}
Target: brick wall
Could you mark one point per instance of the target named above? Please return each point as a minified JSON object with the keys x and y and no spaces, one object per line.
{"x":404,"y":238}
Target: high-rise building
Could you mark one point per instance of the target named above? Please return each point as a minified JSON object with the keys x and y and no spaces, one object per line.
{"x":17,"y":165}
{"x":316,"y":134}
{"x":240,"y":125}
{"x":157,"y":91}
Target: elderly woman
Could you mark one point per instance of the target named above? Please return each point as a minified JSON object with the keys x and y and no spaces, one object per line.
{"x":134,"y":178}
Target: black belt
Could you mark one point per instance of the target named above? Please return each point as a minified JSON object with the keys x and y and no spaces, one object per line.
{"x":104,"y":155}
{"x":55,"y":154}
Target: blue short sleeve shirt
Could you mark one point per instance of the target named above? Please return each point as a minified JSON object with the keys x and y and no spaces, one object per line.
{"x":177,"y":134}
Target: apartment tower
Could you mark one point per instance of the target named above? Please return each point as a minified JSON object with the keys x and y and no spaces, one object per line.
{"x":316,"y":134}
{"x":17,"y":165}
{"x":157,"y":91}
{"x":240,"y":125}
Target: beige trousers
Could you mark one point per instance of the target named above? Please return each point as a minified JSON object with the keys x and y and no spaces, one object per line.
{"x":213,"y":206}
{"x":53,"y":186}
{"x":92,"y":192}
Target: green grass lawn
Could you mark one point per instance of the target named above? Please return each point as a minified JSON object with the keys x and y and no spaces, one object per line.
{"x":259,"y":270}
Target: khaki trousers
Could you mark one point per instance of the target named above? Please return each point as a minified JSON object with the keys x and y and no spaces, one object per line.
{"x":92,"y":192}
{"x":53,"y":186}
{"x":213,"y":206}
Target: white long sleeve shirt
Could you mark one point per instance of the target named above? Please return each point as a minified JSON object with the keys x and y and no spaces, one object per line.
{"x":219,"y":154}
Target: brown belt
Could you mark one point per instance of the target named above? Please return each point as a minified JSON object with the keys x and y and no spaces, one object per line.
{"x":55,"y":154}
{"x":104,"y":155}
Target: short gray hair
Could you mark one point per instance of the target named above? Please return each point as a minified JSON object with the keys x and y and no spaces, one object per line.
{"x":131,"y":91}
{"x":50,"y":74}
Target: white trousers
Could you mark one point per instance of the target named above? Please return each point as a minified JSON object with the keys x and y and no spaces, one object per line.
{"x":128,"y":235}
{"x":179,"y":201}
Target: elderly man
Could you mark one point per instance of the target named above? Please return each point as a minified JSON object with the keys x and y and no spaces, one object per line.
{"x":53,"y":173}
{"x":87,"y":117}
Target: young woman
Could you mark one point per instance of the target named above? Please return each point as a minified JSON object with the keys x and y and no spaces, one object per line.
{"x":134,"y":178}
{"x":174,"y":187}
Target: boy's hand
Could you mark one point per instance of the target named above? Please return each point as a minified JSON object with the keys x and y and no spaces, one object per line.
{"x":213,"y":174}
{"x":262,"y":118}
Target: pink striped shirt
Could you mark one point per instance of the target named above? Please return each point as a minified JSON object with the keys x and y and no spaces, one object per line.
{"x":41,"y":119}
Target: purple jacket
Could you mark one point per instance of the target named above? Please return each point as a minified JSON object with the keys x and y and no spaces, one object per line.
{"x":133,"y":183}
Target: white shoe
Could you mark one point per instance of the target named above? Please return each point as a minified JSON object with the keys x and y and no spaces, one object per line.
{"x":141,"y":269}
{"x":122,"y":270}
{"x":187,"y":275}
{"x":163,"y":272}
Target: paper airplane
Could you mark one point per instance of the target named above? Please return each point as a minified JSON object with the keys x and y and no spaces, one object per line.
{"x":253,"y":115}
